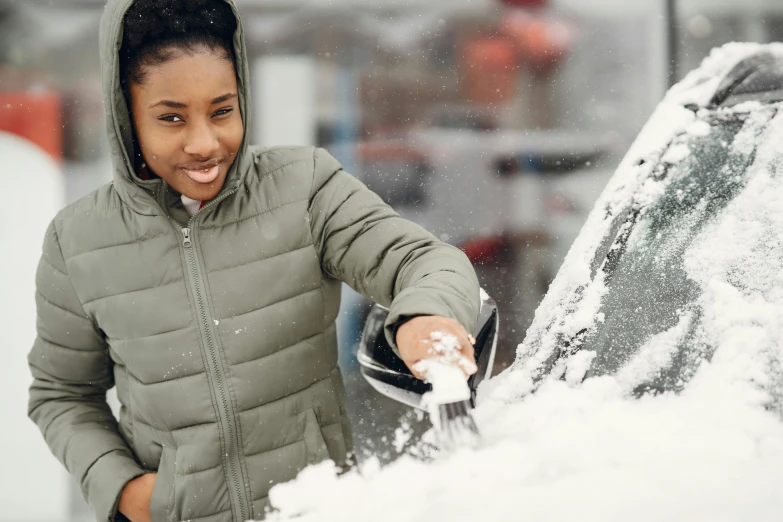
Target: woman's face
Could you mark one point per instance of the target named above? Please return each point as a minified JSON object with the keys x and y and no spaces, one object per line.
{"x":187,"y":121}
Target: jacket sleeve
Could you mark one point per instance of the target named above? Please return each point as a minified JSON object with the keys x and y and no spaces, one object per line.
{"x":390,"y":260}
{"x":71,"y":372}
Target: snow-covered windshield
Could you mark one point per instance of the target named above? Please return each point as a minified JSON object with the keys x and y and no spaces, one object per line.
{"x":702,"y":209}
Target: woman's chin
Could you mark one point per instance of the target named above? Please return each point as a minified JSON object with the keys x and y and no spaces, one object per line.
{"x":200,"y":193}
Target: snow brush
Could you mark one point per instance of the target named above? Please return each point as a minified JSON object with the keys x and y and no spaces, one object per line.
{"x":449,"y":405}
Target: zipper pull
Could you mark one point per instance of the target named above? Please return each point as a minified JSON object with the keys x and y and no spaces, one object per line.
{"x":186,"y":237}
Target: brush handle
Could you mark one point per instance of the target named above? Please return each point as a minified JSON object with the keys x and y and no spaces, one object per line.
{"x":449,"y":383}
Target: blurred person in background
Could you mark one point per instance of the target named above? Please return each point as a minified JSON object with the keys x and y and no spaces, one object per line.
{"x":204,"y":283}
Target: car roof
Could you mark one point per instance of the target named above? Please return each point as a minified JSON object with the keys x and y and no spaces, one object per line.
{"x":758,"y":77}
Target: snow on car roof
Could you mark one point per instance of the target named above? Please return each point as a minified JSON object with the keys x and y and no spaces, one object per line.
{"x":587,"y":450}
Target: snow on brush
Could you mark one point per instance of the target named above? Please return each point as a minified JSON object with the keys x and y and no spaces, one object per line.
{"x":589,"y":451}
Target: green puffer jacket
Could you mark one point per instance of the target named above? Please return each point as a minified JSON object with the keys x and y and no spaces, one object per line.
{"x":218,"y":330}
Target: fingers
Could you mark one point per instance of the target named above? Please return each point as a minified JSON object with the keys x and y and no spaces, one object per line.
{"x":468,"y":361}
{"x":416,"y":373}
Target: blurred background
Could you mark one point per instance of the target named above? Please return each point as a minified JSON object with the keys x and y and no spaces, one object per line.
{"x":494,"y":124}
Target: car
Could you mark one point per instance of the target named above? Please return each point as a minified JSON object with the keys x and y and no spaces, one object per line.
{"x":650,"y":384}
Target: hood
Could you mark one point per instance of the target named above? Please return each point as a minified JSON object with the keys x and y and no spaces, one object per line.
{"x":139,"y":194}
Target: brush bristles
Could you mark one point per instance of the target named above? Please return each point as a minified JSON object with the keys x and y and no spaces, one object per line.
{"x":456,"y":428}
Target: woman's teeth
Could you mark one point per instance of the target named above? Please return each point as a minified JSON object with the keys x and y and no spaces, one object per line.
{"x":204,"y":176}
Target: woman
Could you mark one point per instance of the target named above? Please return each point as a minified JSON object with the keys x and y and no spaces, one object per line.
{"x":205,"y":281}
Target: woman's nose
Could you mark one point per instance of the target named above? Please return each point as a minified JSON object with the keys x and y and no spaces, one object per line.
{"x":202,"y":141}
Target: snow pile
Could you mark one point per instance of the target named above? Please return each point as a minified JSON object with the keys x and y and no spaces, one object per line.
{"x":34,"y":193}
{"x":586,"y":453}
{"x":677,"y":153}
{"x":587,"y":450}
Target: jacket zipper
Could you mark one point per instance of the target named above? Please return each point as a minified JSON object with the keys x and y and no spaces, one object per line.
{"x":229,"y":418}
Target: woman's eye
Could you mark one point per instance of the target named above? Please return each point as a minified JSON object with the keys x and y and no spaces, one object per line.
{"x":172,"y":118}
{"x":223,"y":112}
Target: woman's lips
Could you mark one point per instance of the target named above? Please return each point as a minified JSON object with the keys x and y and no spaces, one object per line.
{"x":204,"y":175}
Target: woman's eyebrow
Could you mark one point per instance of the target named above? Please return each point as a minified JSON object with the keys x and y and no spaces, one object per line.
{"x":180,"y":105}
{"x":224,"y":98}
{"x":169,"y":103}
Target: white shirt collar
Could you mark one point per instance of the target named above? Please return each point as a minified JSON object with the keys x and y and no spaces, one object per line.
{"x":191,"y":205}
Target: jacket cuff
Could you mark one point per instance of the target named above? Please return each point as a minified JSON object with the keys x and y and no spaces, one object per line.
{"x":390,"y":331}
{"x":106,"y":480}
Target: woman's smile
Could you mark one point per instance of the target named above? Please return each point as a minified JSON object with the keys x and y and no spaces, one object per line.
{"x":204,"y":172}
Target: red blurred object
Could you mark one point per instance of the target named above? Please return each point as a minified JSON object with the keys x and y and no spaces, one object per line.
{"x":36,"y":117}
{"x":489,"y":70}
{"x":542,"y":42}
{"x":483,"y":249}
{"x":525,"y":3}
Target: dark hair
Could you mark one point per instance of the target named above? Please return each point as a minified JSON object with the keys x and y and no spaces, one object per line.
{"x":156,"y":29}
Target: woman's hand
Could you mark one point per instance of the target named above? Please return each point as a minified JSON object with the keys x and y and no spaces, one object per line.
{"x":135,"y":498}
{"x":429,"y":337}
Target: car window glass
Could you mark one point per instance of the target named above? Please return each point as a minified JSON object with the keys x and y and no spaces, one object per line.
{"x":648,"y":291}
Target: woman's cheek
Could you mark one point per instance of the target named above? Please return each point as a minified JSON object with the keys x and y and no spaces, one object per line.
{"x":164,"y":144}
